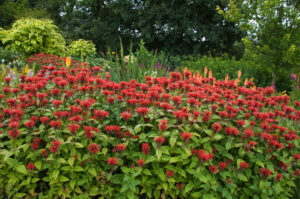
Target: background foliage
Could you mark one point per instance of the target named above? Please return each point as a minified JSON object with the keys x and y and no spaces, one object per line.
{"x":30,"y":36}
{"x":81,"y":48}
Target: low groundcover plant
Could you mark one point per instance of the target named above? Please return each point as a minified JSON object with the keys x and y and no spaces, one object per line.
{"x":69,"y":133}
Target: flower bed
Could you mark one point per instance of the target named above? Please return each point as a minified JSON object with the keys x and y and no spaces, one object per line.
{"x":68,"y":132}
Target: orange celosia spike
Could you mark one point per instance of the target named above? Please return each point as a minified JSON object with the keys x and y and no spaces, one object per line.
{"x":236,"y":82}
{"x":246,"y":82}
{"x":239,"y":74}
{"x":185,"y":69}
{"x":226,"y":78}
{"x":200,"y":78}
{"x":198,"y":74}
{"x":254,"y":88}
{"x":210,"y":74}
{"x":205,"y":72}
{"x":194,"y":76}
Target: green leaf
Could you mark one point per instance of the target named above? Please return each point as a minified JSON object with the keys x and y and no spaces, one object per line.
{"x":208,"y":196}
{"x":124,"y":188}
{"x":20,"y":195}
{"x":21,"y":169}
{"x":174,"y":159}
{"x":78,"y":168}
{"x":34,"y":180}
{"x":78,"y":145}
{"x":173,"y":140}
{"x":55,"y":174}
{"x":72,"y":184}
{"x":242,"y":177}
{"x":38,"y":165}
{"x":62,"y":161}
{"x":196,"y":194}
{"x":277,"y":188}
{"x":150,"y":159}
{"x":93,"y":191}
{"x":147,"y":172}
{"x":158,"y":154}
{"x":165,"y":186}
{"x":71,"y":161}
{"x":104,"y":151}
{"x":218,"y":137}
{"x":202,"y":178}
{"x":228,"y":146}
{"x":93,"y":171}
{"x":181,"y":172}
{"x":188,"y":187}
{"x":242,"y":152}
{"x":260,"y":163}
{"x":63,"y":179}
{"x":208,"y":132}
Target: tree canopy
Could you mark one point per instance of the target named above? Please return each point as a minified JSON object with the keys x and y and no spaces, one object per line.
{"x":175,"y":26}
{"x":273,"y":28}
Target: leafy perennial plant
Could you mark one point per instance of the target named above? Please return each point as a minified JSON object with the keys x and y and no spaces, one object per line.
{"x":68,"y":133}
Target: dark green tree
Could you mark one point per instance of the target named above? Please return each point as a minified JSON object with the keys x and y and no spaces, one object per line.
{"x":175,"y":26}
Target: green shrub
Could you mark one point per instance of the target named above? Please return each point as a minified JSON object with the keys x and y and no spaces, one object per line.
{"x":82,"y":48}
{"x":30,"y":36}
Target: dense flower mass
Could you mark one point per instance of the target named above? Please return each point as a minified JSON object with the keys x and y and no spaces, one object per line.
{"x":71,"y":131}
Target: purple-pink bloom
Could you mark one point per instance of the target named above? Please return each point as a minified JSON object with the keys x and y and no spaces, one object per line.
{"x":293,"y":76}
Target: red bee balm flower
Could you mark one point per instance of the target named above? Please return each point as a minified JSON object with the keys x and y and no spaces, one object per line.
{"x":112,"y":161}
{"x":55,"y":124}
{"x":55,"y":146}
{"x":213,"y":169}
{"x":119,"y":148}
{"x":160,"y":139}
{"x":73,"y":128}
{"x":243,"y":165}
{"x":216,"y":127}
{"x":126,"y":115}
{"x":14,"y":133}
{"x":265,"y":172}
{"x":94,"y":148}
{"x":141,"y":162}
{"x":44,"y":153}
{"x":186,"y":136}
{"x":142,"y":110}
{"x":145,"y":148}
{"x":222,"y":165}
{"x":163,"y":125}
{"x":278,"y":177}
{"x":170,"y":174}
{"x":30,"y":166}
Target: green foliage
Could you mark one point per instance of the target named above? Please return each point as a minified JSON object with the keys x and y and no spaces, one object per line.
{"x":10,"y":60}
{"x":81,"y":48}
{"x":274,"y":33}
{"x":175,"y":27}
{"x":137,"y":65}
{"x":221,"y":66}
{"x":295,"y":78}
{"x":30,"y":36}
{"x":10,"y":11}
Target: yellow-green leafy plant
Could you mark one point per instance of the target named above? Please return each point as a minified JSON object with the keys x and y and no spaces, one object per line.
{"x":31,"y":36}
{"x":82,"y":48}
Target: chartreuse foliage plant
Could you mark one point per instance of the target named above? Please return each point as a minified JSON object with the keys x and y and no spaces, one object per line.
{"x":30,"y":36}
{"x":82,"y":48}
{"x":70,"y":133}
